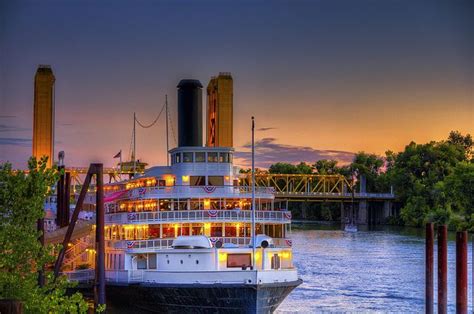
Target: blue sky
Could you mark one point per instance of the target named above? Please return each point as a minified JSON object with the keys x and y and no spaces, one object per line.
{"x":322,"y":76}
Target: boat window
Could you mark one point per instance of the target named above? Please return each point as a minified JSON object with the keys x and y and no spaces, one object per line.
{"x":212,"y":157}
{"x":216,"y":231}
{"x":200,"y":156}
{"x":168,"y":231}
{"x":197,"y":180}
{"x":238,"y":260}
{"x":141,"y":262}
{"x":188,"y":157}
{"x":276,"y":262}
{"x":223,"y":157}
{"x":215,"y":180}
{"x":178,"y":158}
{"x":152,"y":261}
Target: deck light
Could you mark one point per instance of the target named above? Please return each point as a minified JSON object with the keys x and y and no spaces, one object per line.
{"x":185,"y":179}
{"x":257,"y":256}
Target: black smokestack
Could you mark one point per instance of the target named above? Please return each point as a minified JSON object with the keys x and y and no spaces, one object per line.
{"x":189,"y":113}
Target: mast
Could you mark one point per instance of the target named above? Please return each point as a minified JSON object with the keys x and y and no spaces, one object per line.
{"x":253,"y":193}
{"x":134,"y":145}
{"x":167,"y":140}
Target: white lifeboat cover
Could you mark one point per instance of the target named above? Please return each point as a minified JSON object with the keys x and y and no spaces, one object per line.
{"x":263,"y":237}
{"x":199,"y":241}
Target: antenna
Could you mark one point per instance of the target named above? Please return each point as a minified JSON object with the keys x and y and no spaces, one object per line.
{"x":253,"y":193}
{"x":167,"y":139}
{"x":134,"y":146}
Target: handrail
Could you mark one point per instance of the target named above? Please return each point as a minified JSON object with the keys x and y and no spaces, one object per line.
{"x":184,"y":191}
{"x":80,"y":275}
{"x":160,"y":244}
{"x":198,"y":215}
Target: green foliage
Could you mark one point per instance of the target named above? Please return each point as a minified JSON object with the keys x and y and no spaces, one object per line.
{"x":22,"y":196}
{"x":325,"y":166}
{"x":418,"y":175}
{"x":435,"y":182}
{"x":458,"y":189}
{"x":368,"y":165}
{"x":282,"y":168}
{"x":456,"y":138}
{"x":286,"y":168}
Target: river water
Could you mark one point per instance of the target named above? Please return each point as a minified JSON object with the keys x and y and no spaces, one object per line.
{"x":379,"y":270}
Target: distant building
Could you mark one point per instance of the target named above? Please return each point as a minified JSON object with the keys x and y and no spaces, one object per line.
{"x":220,"y":94}
{"x":43,"y":118}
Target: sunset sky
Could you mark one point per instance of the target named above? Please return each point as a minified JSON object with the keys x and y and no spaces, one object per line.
{"x":323,"y":78}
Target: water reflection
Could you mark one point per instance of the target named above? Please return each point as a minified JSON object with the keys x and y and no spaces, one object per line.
{"x":373,"y":270}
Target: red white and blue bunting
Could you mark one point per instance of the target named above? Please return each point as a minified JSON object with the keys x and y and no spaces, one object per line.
{"x":214,"y":241}
{"x":131,"y":216}
{"x":212,"y":213}
{"x":289,"y":242}
{"x":209,"y":189}
{"x":130,"y":244}
{"x":287,"y":215}
{"x":137,"y":193}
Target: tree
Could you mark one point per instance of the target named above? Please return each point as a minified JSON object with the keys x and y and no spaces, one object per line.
{"x":370,"y":166}
{"x":304,"y":168}
{"x":456,"y":138}
{"x":459,"y":191}
{"x":283,"y":168}
{"x":416,"y":176}
{"x":325,"y":166}
{"x":22,"y":196}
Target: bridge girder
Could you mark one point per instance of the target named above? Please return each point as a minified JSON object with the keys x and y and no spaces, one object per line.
{"x":299,"y":183}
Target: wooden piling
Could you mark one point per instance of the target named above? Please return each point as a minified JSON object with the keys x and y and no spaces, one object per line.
{"x":442,"y":269}
{"x":67,"y":198}
{"x":100,"y":233}
{"x":461,"y":272}
{"x":429,"y":268}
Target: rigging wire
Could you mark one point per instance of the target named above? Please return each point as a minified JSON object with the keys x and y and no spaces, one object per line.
{"x":153,"y":123}
{"x":172,"y":129}
{"x":131,"y":147}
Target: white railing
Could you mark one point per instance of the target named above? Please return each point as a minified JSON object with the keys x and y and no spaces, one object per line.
{"x":80,"y":275}
{"x":158,"y":244}
{"x":235,"y":215}
{"x":135,"y":275}
{"x":186,"y":191}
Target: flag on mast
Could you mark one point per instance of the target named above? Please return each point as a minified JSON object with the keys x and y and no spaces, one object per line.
{"x":118,"y":155}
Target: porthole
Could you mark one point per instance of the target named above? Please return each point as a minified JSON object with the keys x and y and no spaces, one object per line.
{"x":168,"y":261}
{"x":197,"y":262}
{"x":181,"y":261}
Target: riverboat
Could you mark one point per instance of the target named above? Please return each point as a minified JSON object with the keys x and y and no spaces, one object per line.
{"x":179,"y":238}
